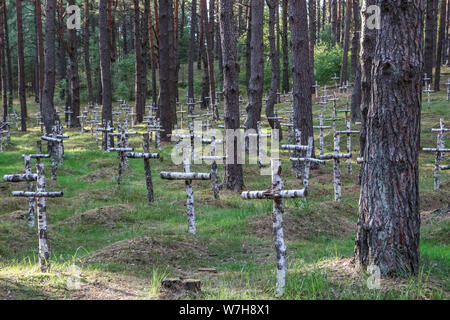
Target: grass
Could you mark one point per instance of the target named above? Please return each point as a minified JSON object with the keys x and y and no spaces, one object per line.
{"x":123,"y":247}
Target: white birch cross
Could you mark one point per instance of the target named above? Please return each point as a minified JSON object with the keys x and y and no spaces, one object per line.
{"x":277,"y":194}
{"x":336,"y":156}
{"x":188,"y":177}
{"x":321,"y":127}
{"x":349,"y":133}
{"x":260,"y":136}
{"x":40,"y":196}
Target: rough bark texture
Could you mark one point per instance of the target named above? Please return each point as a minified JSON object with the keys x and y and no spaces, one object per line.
{"x":430,"y":37}
{"x":48,"y":109}
{"x":389,"y":218}
{"x":285,"y":87}
{"x":354,"y":58}
{"x":312,"y":37}
{"x":234,"y":179}
{"x":345,"y":47}
{"x":87,"y":62}
{"x":167,"y":70}
{"x":72,"y":47}
{"x":3,"y":85}
{"x":275,"y":60}
{"x":301,"y":86}
{"x":8,"y":57}
{"x":44,"y":253}
{"x":440,"y":44}
{"x":21,"y":66}
{"x":105,"y":62}
{"x":191,"y":53}
{"x":140,"y":65}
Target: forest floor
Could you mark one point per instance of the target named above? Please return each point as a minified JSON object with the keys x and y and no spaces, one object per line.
{"x":111,"y":244}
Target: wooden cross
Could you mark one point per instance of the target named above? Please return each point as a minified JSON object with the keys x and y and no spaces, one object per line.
{"x":334,"y":118}
{"x":276,"y":193}
{"x":146,"y":156}
{"x":83,"y":118}
{"x":117,"y":115}
{"x":2,"y":134}
{"x":349,"y":133}
{"x":55,"y":150}
{"x":259,"y":136}
{"x":157,"y":129}
{"x":40,"y":196}
{"x":181,"y":112}
{"x":321,"y":127}
{"x":426,"y":79}
{"x":440,"y":150}
{"x":105,"y":130}
{"x":448,"y":89}
{"x":187,"y":176}
{"x":191,"y":106}
{"x":69,"y":113}
{"x":122,"y":151}
{"x":123,"y":142}
{"x":336,"y":156}
{"x":316,"y":87}
{"x":335,"y":78}
{"x":214,"y":169}
{"x":428,"y":90}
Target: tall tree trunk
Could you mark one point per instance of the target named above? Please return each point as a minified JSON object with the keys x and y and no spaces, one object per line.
{"x":312,"y":37}
{"x":8,"y":57}
{"x":191,"y":54}
{"x":72,"y":46}
{"x":48,"y":109}
{"x":275,"y":60}
{"x":209,"y":33}
{"x":167,"y":106}
{"x":141,"y":69}
{"x":248,"y":56}
{"x":389,"y":217}
{"x":344,"y":66}
{"x":3,"y":85}
{"x":442,"y":25}
{"x":21,"y":66}
{"x":152,"y":53}
{"x":87,"y":62}
{"x":40,"y":45}
{"x":255,"y":88}
{"x":334,"y":22}
{"x":234,"y":178}
{"x":430,"y":37}
{"x":285,"y":87}
{"x":355,"y":39}
{"x":368,"y":43}
{"x":301,"y":84}
{"x":105,"y":62}
{"x":204,"y":59}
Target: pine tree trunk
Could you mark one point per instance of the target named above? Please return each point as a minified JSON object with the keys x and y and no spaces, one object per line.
{"x":234,"y":179}
{"x":285,"y":87}
{"x":3,"y":85}
{"x":21,"y":66}
{"x":191,"y":53}
{"x":141,"y":69}
{"x":167,"y":68}
{"x":430,"y":37}
{"x":440,"y":45}
{"x":105,"y":63}
{"x":355,"y":39}
{"x":87,"y":62}
{"x":48,"y":109}
{"x":255,"y":87}
{"x":72,"y":46}
{"x":344,"y":67}
{"x":301,"y":85}
{"x":312,"y":36}
{"x":334,"y":17}
{"x":389,"y":218}
{"x":40,"y":46}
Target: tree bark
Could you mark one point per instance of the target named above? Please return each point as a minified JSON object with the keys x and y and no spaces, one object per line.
{"x":389,"y":218}
{"x":141,"y":68}
{"x":8,"y":57}
{"x":430,"y":37}
{"x":105,"y":63}
{"x":285,"y":87}
{"x":48,"y":109}
{"x":344,"y":67}
{"x":255,"y":87}
{"x":440,"y":44}
{"x":234,"y":179}
{"x":3,"y":85}
{"x":301,"y":85}
{"x":312,"y":36}
{"x":334,"y":17}
{"x":355,"y":39}
{"x":167,"y":68}
{"x":21,"y":67}
{"x":87,"y":62}
{"x":72,"y":47}
{"x":191,"y":53}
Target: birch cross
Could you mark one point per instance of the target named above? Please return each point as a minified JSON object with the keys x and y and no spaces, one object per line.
{"x":105,"y":130}
{"x":428,"y":90}
{"x":260,"y":139}
{"x":440,"y":150}
{"x":321,"y":127}
{"x":157,"y":129}
{"x":181,"y":112}
{"x":187,"y":176}
{"x":69,"y":113}
{"x":2,"y":134}
{"x":335,"y":78}
{"x":191,"y":106}
{"x":40,"y":196}
{"x":334,"y":118}
{"x":349,"y":133}
{"x":146,"y":156}
{"x":306,"y":160}
{"x":316,"y":89}
{"x":336,"y":156}
{"x":214,"y":169}
{"x":121,"y":152}
{"x":55,"y":150}
{"x":448,"y":89}
{"x":83,"y":119}
{"x":123,"y":143}
{"x":277,"y":194}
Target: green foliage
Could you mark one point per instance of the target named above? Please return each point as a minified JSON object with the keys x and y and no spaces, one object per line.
{"x":123,"y":71}
{"x":327,"y":62}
